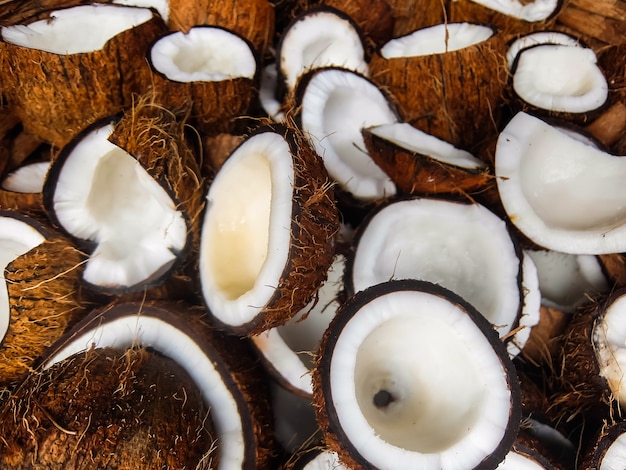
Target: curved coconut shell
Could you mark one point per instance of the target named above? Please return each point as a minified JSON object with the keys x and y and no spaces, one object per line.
{"x":596,"y":449}
{"x":107,"y":408}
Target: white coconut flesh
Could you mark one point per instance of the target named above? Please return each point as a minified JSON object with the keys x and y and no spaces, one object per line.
{"x":336,"y":106}
{"x":414,"y":140}
{"x":291,"y":347}
{"x":416,"y":384}
{"x":560,"y":78}
{"x":566,"y":281}
{"x":246,"y":231}
{"x":517,"y":461}
{"x":537,"y":38}
{"x":267,"y":92}
{"x":609,"y":338}
{"x":80,"y":29}
{"x":161,"y":6}
{"x":436,"y":39}
{"x":320,"y":39}
{"x":531,"y":307}
{"x":203,"y":54}
{"x":465,"y":248}
{"x":325,"y":460}
{"x":615,"y":456}
{"x":149,"y":331}
{"x":16,"y":238}
{"x":27,"y":179}
{"x":562,"y":193}
{"x":537,"y":10}
{"x":104,"y":195}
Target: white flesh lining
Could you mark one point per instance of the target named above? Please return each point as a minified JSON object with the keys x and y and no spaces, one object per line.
{"x":530,"y":309}
{"x":615,"y":456}
{"x":414,"y":140}
{"x":16,"y":239}
{"x":233,"y":244}
{"x":161,"y":6}
{"x":560,"y":78}
{"x":81,"y":29}
{"x":203,"y":54}
{"x":325,"y":460}
{"x":27,"y":178}
{"x":267,"y":92}
{"x":516,"y":461}
{"x":147,"y":331}
{"x":436,"y":39}
{"x":336,"y":106}
{"x":535,"y":11}
{"x":319,"y":40}
{"x":561,"y":193}
{"x":104,"y":195}
{"x":430,"y":336}
{"x":534,"y":39}
{"x":450,"y":244}
{"x":610,"y":342}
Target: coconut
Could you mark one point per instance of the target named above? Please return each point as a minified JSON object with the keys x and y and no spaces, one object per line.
{"x":268,"y":233}
{"x":521,"y":457}
{"x":314,"y":458}
{"x":607,"y":449}
{"x":108,"y":408}
{"x":536,"y":38}
{"x":60,"y":77}
{"x":387,"y":381}
{"x":599,"y":22}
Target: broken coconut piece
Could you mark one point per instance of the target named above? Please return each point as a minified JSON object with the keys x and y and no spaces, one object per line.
{"x":389,"y":376}
{"x":80,"y":65}
{"x":335,"y":105}
{"x":532,"y":11}
{"x":607,"y":450}
{"x":421,"y":164}
{"x":223,"y":368}
{"x":524,"y":458}
{"x":536,"y":38}
{"x":561,"y":192}
{"x":21,"y":189}
{"x":268,"y":232}
{"x":463,"y":247}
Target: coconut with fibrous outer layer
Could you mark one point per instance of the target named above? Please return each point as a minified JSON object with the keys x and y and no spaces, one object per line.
{"x":423,"y":165}
{"x":108,"y":408}
{"x":448,"y":80}
{"x":40,"y":292}
{"x":409,"y":375}
{"x":561,"y":191}
{"x":208,"y":72}
{"x":60,"y":77}
{"x":268,"y":235}
{"x":130,"y":190}
{"x":521,"y":457}
{"x":538,"y":37}
{"x":607,"y":450}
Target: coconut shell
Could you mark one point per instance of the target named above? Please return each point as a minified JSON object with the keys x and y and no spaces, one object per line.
{"x":610,"y":126}
{"x":107,"y":408}
{"x":595,"y":450}
{"x":597,"y":22}
{"x":57,"y":96}
{"x":416,"y":14}
{"x":455,"y":96}
{"x":544,"y":343}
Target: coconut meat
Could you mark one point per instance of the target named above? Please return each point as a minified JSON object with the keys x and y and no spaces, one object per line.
{"x":247,"y":228}
{"x":161,"y":6}
{"x":562,"y":193}
{"x":531,"y":307}
{"x":436,"y":39}
{"x":560,"y":78}
{"x":414,"y":140}
{"x":337,"y":104}
{"x":536,"y":38}
{"x":104,"y":195}
{"x":465,"y":248}
{"x":610,"y":340}
{"x":80,"y":29}
{"x":149,"y":331}
{"x":267,"y":92}
{"x":27,"y":179}
{"x":615,"y":455}
{"x":16,"y":238}
{"x":203,"y":54}
{"x":416,"y":384}
{"x":537,"y":10}
{"x":516,"y":461}
{"x":325,"y":460}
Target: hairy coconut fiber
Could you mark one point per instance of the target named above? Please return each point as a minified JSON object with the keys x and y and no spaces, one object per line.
{"x":252,"y":19}
{"x":44,"y":288}
{"x":56,"y":96}
{"x":107,"y":408}
{"x":455,"y":96}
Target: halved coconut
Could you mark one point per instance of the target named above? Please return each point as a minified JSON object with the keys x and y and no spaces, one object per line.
{"x":560,"y":191}
{"x":523,"y":458}
{"x":411,"y":376}
{"x":222,"y":367}
{"x":463,"y":247}
{"x":532,"y":11}
{"x":21,"y":189}
{"x":607,"y":450}
{"x":334,"y":106}
{"x":81,"y":64}
{"x":317,"y":38}
{"x":536,"y":38}
{"x":268,"y":232}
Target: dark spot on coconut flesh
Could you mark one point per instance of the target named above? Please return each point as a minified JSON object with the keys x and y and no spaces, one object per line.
{"x":383,"y":399}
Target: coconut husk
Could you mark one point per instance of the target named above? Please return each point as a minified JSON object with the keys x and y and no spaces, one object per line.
{"x":459,"y":96}
{"x":217,"y":148}
{"x":423,"y":175}
{"x":57,"y":96}
{"x":545,"y":341}
{"x":108,"y":408}
{"x":595,"y":450}
{"x":16,"y":143}
{"x":416,"y":14}
{"x":614,"y":267}
{"x":252,"y":19}
{"x":610,"y":126}
{"x":597,"y":22}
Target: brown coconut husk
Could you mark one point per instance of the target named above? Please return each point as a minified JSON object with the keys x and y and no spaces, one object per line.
{"x":598,"y":22}
{"x":57,"y":96}
{"x":460,"y":93}
{"x":614,"y":267}
{"x":545,"y":341}
{"x":609,"y":126}
{"x":416,"y":14}
{"x":107,"y":408}
{"x":595,"y":450}
{"x":252,"y":19}
{"x":217,"y":149}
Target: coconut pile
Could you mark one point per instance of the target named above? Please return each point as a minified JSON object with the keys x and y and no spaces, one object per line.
{"x":306,"y":234}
